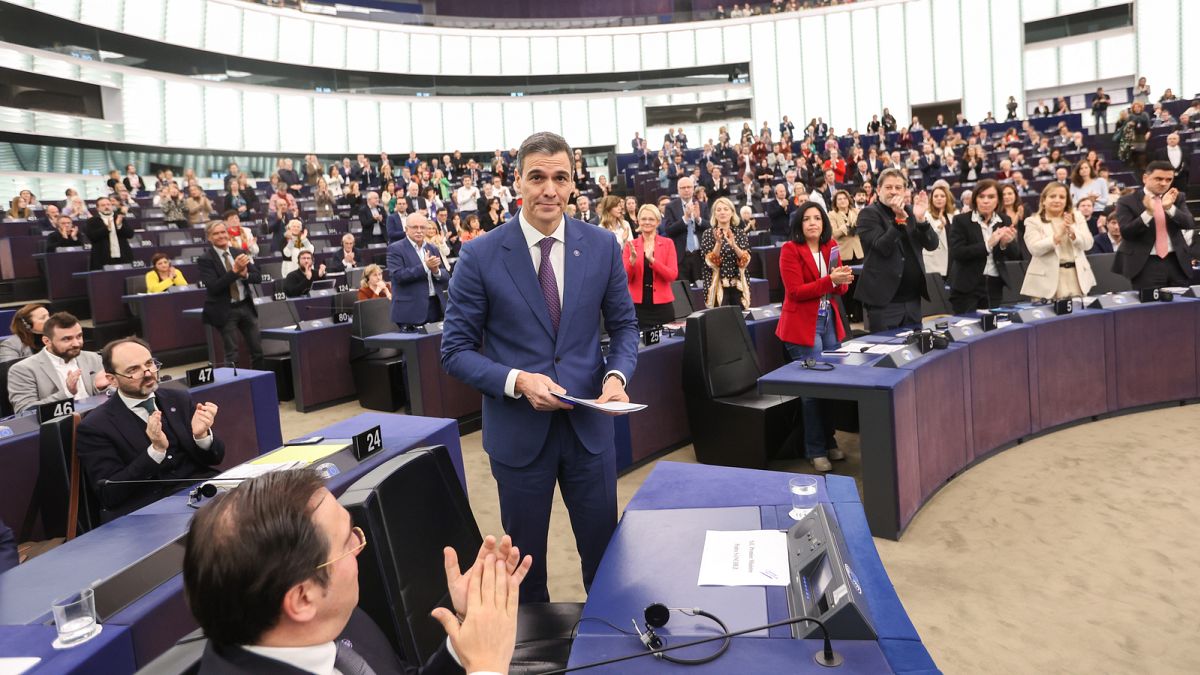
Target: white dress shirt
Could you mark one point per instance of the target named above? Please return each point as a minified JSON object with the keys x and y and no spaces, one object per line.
{"x":989,"y":268}
{"x":221,"y":254}
{"x":429,"y":275}
{"x":1148,"y":219}
{"x":114,"y":245}
{"x":62,"y":368}
{"x":533,"y":240}
{"x":1174,"y":155}
{"x":135,"y":406}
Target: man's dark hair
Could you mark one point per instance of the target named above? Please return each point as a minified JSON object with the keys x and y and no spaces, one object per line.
{"x":1159,"y":165}
{"x":796,"y":223}
{"x":107,"y":350}
{"x":541,"y":143}
{"x":246,"y":548}
{"x":304,"y":252}
{"x":58,"y":320}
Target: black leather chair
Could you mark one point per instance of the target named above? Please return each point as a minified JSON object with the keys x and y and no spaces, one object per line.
{"x":378,"y":373}
{"x":731,"y":423}
{"x":1107,"y":281}
{"x":6,"y":407}
{"x":182,"y":659}
{"x":1016,"y":276}
{"x":682,"y":304}
{"x":56,"y":446}
{"x":277,"y":354}
{"x":939,"y":301}
{"x":410,"y":508}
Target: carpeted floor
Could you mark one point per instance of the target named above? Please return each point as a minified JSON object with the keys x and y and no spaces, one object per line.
{"x":1071,"y":553}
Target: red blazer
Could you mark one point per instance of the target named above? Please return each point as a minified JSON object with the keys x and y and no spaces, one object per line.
{"x":664,"y":268}
{"x":802,"y":291}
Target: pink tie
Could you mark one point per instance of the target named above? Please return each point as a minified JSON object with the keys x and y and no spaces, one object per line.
{"x":1160,"y":228}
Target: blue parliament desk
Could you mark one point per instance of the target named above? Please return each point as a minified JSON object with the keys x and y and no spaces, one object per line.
{"x":248,"y":420}
{"x":165,"y":322}
{"x":155,"y":621}
{"x":928,"y":420}
{"x":431,"y":390}
{"x":6,"y":317}
{"x":113,"y":647}
{"x":106,"y":289}
{"x":654,"y":556}
{"x":320,"y":360}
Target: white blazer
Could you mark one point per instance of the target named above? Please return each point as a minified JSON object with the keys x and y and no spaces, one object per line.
{"x":1041,"y":278}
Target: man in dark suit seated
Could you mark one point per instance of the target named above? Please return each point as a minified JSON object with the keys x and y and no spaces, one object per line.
{"x":228,"y":305}
{"x":144,"y":433}
{"x":270,"y":570}
{"x":1108,"y":237}
{"x":299,"y":281}
{"x":110,"y":235}
{"x":372,"y":218}
{"x":418,"y":276}
{"x":348,"y":256}
{"x":1154,"y":252}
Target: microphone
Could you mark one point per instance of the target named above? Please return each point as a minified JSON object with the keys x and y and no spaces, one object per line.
{"x":826,"y":657}
{"x":208,"y":490}
{"x":232,"y":364}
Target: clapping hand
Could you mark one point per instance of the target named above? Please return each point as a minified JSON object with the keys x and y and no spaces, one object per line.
{"x":154,"y":431}
{"x":920,"y":205}
{"x":457,"y":582}
{"x":433,"y":262}
{"x":1168,"y":199}
{"x":73,"y":381}
{"x":203,"y":419}
{"x":241,"y":265}
{"x":841,"y":275}
{"x":321,"y":270}
{"x":486,"y":638}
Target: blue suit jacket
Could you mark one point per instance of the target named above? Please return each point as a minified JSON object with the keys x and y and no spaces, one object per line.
{"x":395,"y":227}
{"x":410,"y":286}
{"x":497,"y":320}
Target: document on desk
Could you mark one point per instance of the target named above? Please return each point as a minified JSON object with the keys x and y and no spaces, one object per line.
{"x":232,"y":478}
{"x":744,"y":558}
{"x":885,"y":348}
{"x":612,"y":407}
{"x":15,"y":665}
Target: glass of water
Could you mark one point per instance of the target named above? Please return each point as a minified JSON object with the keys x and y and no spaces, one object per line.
{"x":76,"y":619}
{"x":804,"y":495}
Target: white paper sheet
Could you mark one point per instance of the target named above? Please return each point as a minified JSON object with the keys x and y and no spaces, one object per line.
{"x":854,"y":346}
{"x":15,"y":665}
{"x":744,"y":558}
{"x":231,"y":478}
{"x":612,"y":407}
{"x":885,"y":349}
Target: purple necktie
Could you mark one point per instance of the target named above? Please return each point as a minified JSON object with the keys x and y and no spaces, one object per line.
{"x":548,"y":284}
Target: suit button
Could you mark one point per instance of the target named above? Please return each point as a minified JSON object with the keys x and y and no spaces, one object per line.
{"x":558,"y":359}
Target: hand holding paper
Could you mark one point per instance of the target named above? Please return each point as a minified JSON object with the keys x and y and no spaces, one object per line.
{"x":610,"y":407}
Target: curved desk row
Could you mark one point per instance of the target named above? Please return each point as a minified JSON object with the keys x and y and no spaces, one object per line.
{"x":926,"y":421}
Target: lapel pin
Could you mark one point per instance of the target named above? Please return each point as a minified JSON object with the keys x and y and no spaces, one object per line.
{"x":576,"y":253}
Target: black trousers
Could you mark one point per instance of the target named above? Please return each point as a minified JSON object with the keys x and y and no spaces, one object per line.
{"x":1159,"y":272}
{"x":242,"y":319}
{"x":691,"y":268}
{"x":986,"y":295}
{"x":893,"y":315}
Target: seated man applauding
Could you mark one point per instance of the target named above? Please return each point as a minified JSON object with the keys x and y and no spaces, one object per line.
{"x":64,"y":369}
{"x":299,"y":281}
{"x":144,"y":433}
{"x":271,"y":575}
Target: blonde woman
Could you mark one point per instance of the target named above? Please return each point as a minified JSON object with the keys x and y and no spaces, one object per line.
{"x":843,"y":217}
{"x":1058,"y":239}
{"x":612,"y":218}
{"x":373,"y":286}
{"x":941,"y":210}
{"x":726,"y":250}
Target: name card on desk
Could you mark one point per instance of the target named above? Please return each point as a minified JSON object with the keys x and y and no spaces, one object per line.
{"x":198,"y":376}
{"x":266,"y":278}
{"x":55,"y":409}
{"x":431,"y":328}
{"x":368,"y":443}
{"x":343,"y":317}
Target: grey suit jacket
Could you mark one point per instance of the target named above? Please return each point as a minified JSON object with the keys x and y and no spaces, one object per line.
{"x":34,"y":381}
{"x":12,"y":349}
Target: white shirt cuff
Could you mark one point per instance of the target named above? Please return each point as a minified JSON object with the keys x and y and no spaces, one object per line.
{"x":624,"y":382}
{"x":454,"y":655}
{"x":1171,"y":211}
{"x":206,"y":442}
{"x":156,"y":455}
{"x":510,"y":384}
{"x":1147,"y":216}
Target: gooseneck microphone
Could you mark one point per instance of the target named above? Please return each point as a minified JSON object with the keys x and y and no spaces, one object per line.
{"x":826,"y":657}
{"x":207,"y":490}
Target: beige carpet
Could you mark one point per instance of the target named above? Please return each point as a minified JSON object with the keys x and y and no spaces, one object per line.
{"x":1072,"y":553}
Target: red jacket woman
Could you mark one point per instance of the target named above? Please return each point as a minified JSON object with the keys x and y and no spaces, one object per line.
{"x":804,"y":287}
{"x":656,"y":309}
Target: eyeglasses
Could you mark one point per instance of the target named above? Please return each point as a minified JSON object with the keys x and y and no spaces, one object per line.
{"x":149,"y":368}
{"x":362,"y":543}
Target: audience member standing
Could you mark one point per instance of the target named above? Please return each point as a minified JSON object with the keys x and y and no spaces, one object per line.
{"x":726,"y":254}
{"x":228,"y":305}
{"x":981,"y":241}
{"x":109,"y":233}
{"x":650,"y":265}
{"x":1058,"y":239}
{"x":1154,"y":252}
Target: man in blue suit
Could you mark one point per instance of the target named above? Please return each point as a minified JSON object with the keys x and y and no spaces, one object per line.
{"x":419,"y":274}
{"x":521,"y":326}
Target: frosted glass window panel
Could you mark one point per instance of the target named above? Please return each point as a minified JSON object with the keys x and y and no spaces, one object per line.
{"x":106,"y":78}
{"x":572,"y":57}
{"x":185,"y":23}
{"x":66,"y":9}
{"x":101,"y":14}
{"x":1074,"y":6}
{"x":330,"y":122}
{"x":362,"y":122}
{"x":575,"y":125}
{"x":222,"y":28}
{"x":548,"y":117}
{"x":1158,"y":48}
{"x":543,"y":55}
{"x":737,"y":43}
{"x":296,"y":40}
{"x":489,"y":125}
{"x":425,"y":53}
{"x":1078,"y":62}
{"x":518,"y":122}
{"x":145,"y":19}
{"x":260,"y":35}
{"x":183,"y":103}
{"x":681,"y":48}
{"x":1032,"y":10}
{"x":711,"y":95}
{"x":427,"y":127}
{"x":791,"y":70}
{"x":222,"y":118}
{"x":456,"y":55}
{"x":919,"y":48}
{"x":685,"y":98}
{"x":55,"y":67}
{"x":1191,"y":69}
{"x":841,"y":82}
{"x":362,"y":48}
{"x":1006,"y":55}
{"x":260,"y":114}
{"x":599,"y":54}
{"x":51,"y":124}
{"x":296,"y":124}
{"x":1041,"y":68}
{"x":709,"y":48}
{"x":763,"y":77}
{"x":948,"y":67}
{"x":11,"y":58}
{"x":816,"y":71}
{"x":514,"y":55}
{"x":458,"y":130}
{"x":485,"y":55}
{"x":630,"y":118}
{"x":977,"y":70}
{"x":393,"y":51}
{"x":142,"y":99}
{"x":627,"y":53}
{"x":328,"y":45}
{"x":654,"y":51}
{"x":395,"y":127}
{"x":866,"y":69}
